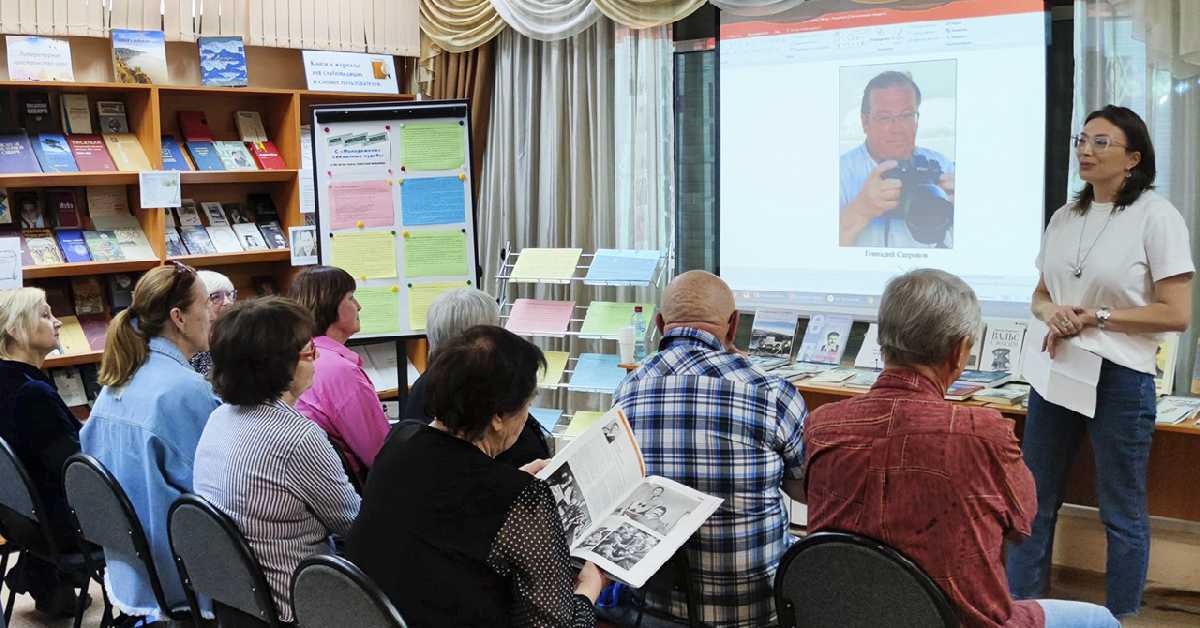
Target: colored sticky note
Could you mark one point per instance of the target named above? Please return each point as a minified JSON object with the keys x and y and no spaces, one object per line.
{"x":361,"y":203}
{"x":605,"y":318}
{"x":433,"y":146}
{"x":540,"y":317}
{"x":545,"y":264}
{"x":582,"y":420}
{"x":420,"y":295}
{"x":556,"y":363}
{"x":380,"y":313}
{"x":440,"y":253}
{"x":622,"y":266}
{"x":546,"y":417}
{"x":597,"y":371}
{"x":433,"y":201}
{"x":369,"y":255}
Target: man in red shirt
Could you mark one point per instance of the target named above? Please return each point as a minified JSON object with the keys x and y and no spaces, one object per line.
{"x":942,"y":483}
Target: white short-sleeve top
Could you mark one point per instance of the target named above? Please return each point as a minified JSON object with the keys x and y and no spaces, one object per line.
{"x":1129,"y":251}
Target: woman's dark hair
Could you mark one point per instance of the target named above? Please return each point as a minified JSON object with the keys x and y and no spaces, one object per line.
{"x":487,"y":371}
{"x":320,"y":290}
{"x":154,"y":296}
{"x":1137,"y":139}
{"x":255,"y":347}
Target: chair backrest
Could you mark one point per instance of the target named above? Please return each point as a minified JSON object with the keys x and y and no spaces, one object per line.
{"x":675,"y":576}
{"x":20,"y":506}
{"x":332,"y":591}
{"x":850,"y":581}
{"x":106,"y":517}
{"x":214,"y":559}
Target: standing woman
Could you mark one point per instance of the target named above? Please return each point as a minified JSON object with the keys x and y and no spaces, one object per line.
{"x":1116,"y":272}
{"x":148,"y":419}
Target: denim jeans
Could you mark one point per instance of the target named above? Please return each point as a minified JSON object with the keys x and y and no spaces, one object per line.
{"x":1066,"y":614}
{"x":1120,"y":434}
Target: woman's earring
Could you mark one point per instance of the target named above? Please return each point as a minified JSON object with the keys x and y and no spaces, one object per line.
{"x":1128,"y":173}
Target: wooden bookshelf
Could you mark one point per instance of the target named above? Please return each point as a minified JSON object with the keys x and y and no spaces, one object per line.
{"x":237,"y":176}
{"x":91,"y":357}
{"x":67,"y":179}
{"x":84,"y":269}
{"x":225,"y":259}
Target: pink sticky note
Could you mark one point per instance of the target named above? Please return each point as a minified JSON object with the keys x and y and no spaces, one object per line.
{"x":366,"y":202}
{"x":536,"y":316}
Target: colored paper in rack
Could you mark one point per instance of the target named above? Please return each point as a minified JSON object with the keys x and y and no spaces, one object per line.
{"x":582,"y":420}
{"x":597,"y":371}
{"x":539,"y":317}
{"x":432,"y":146}
{"x":605,"y":318}
{"x":365,"y":255}
{"x":380,"y":313}
{"x":545,"y":265}
{"x":420,"y":295}
{"x":546,"y":417}
{"x":556,"y":363}
{"x":360,"y":204}
{"x":433,"y":201}
{"x":622,"y":265}
{"x":440,"y":253}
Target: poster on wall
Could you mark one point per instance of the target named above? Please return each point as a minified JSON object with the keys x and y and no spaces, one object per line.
{"x":329,"y":71}
{"x":394,"y":206}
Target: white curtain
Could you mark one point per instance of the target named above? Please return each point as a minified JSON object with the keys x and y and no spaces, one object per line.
{"x":1145,"y":55}
{"x":548,"y":20}
{"x":756,"y":8}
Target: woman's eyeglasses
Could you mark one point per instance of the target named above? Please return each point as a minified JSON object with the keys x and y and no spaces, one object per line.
{"x":221,"y":297}
{"x":309,"y":353}
{"x":1099,"y":144}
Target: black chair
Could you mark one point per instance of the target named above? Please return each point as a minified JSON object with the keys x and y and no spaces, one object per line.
{"x":21,"y":526}
{"x":675,"y":576}
{"x":107,"y":518}
{"x":332,"y":591}
{"x":844,"y":580}
{"x":214,"y":560}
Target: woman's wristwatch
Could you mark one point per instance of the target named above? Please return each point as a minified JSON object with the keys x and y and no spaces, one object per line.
{"x":1102,"y":316}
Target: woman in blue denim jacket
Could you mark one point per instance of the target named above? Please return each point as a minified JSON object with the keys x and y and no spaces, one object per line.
{"x":149,"y":417}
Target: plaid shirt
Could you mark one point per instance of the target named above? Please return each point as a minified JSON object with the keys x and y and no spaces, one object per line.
{"x":708,"y":418}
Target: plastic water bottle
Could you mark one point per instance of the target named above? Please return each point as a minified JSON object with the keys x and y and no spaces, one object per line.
{"x":639,"y":334}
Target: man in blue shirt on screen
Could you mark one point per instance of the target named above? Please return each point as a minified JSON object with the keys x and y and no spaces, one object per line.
{"x":890,"y":112}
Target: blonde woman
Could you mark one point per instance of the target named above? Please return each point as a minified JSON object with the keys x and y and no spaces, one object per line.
{"x":42,"y":432}
{"x":148,"y":419}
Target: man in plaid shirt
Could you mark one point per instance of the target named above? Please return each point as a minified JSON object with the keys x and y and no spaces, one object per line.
{"x":706,"y":417}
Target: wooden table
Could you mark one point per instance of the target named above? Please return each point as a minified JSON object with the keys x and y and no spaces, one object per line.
{"x":1172,"y":481}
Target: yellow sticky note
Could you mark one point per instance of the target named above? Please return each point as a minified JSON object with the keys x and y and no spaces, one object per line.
{"x":369,"y":255}
{"x":380,"y":313}
{"x":556,"y":363}
{"x":582,"y":420}
{"x":420,"y":295}
{"x":542,"y":264}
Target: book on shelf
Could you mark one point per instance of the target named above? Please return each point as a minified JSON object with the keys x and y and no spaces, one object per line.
{"x":76,"y":114}
{"x":139,"y":56}
{"x":614,"y":515}
{"x":16,"y":154}
{"x":197,"y":241}
{"x":88,"y":295}
{"x":773,"y":333}
{"x":266,"y":155}
{"x":1165,"y":357}
{"x":987,"y":378}
{"x":90,"y":153}
{"x":69,"y":384}
{"x":53,"y":153}
{"x":1009,"y":394}
{"x":111,"y":116}
{"x":58,"y":298}
{"x":134,"y":244}
{"x":6,"y":216}
{"x":1176,"y":410}
{"x":797,"y":371}
{"x":768,"y":362}
{"x":215,"y":213}
{"x":64,"y":206}
{"x":274,"y":235}
{"x":961,"y":391}
{"x":237,"y":213}
{"x":223,"y":61}
{"x":204,"y":155}
{"x":862,"y":379}
{"x":28,"y":206}
{"x":71,"y":339}
{"x":976,"y":348}
{"x":250,"y":126}
{"x":109,"y":207}
{"x":172,"y":155}
{"x":126,"y":152}
{"x":870,"y":356}
{"x":120,"y":291}
{"x":234,"y":155}
{"x":42,"y":247}
{"x":833,"y":376}
{"x":193,"y":125}
{"x":36,"y":113}
{"x":249,"y":236}
{"x":73,"y":246}
{"x":224,"y":240}
{"x":189,"y":214}
{"x":1003,"y":339}
{"x":263,"y":207}
{"x":175,"y":246}
{"x":104,"y":246}
{"x":825,"y":338}
{"x":95,"y":328}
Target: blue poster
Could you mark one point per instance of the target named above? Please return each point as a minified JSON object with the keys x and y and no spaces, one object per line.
{"x":433,"y":201}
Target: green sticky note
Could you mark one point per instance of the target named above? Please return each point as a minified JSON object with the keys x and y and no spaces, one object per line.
{"x":433,"y":146}
{"x":380,"y":312}
{"x":582,"y":420}
{"x":605,"y":318}
{"x":438,"y":253}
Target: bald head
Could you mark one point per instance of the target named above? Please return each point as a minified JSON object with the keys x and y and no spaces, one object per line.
{"x":697,"y":297}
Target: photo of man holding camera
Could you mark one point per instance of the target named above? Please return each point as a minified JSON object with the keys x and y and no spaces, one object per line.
{"x":894,"y":194}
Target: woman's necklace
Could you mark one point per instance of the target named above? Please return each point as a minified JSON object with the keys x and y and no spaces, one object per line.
{"x":1077,"y":269}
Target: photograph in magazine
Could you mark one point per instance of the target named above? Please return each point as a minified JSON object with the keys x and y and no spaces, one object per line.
{"x":569,"y":502}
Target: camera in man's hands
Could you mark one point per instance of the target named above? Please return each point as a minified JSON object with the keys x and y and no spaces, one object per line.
{"x":924,"y":205}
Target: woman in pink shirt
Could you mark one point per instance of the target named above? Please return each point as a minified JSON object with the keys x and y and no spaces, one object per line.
{"x":342,"y":400}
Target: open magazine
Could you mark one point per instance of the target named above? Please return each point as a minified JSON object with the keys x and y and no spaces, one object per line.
{"x":628,"y":524}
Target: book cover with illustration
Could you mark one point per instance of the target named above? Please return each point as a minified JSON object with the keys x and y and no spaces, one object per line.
{"x":234,"y":155}
{"x":104,"y":246}
{"x":37,"y":116}
{"x":172,"y":155}
{"x":825,"y":339}
{"x":1002,"y":345}
{"x":54,"y":153}
{"x":16,"y":154}
{"x":175,"y":247}
{"x":139,"y":56}
{"x":73,"y":246}
{"x":111,"y":116}
{"x":223,"y":61}
{"x":204,"y":155}
{"x":773,"y":333}
{"x":41,"y":247}
{"x":5,"y":213}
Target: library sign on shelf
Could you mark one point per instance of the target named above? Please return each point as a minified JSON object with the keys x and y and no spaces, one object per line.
{"x":350,"y":72}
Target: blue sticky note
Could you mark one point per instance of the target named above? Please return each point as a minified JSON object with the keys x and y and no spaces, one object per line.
{"x":546,"y":417}
{"x":596,"y":371}
{"x":433,"y":201}
{"x":621,"y":265}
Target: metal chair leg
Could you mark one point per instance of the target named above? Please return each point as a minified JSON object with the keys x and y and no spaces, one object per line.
{"x":12,"y":595}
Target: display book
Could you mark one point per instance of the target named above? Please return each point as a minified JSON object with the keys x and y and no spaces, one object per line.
{"x":213,"y":227}
{"x":84,"y":306}
{"x":66,"y":141}
{"x":254,"y":150}
{"x":69,"y":225}
{"x":614,"y":515}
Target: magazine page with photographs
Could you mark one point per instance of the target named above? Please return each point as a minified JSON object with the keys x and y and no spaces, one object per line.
{"x":628,"y":524}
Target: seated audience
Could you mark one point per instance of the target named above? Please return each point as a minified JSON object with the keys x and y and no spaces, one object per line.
{"x":450,"y":314}
{"x":453,"y":537}
{"x":955,"y":483}
{"x":42,"y":432}
{"x":220,"y":294}
{"x":260,"y":461}
{"x":706,"y":417}
{"x":148,"y":418}
{"x":342,"y":399}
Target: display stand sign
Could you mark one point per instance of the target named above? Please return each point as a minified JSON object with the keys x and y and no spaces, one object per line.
{"x":350,"y":72}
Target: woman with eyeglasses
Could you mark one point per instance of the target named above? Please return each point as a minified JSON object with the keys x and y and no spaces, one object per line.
{"x":1116,"y":274}
{"x":221,"y":294}
{"x":148,"y":418}
{"x":260,"y":461}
